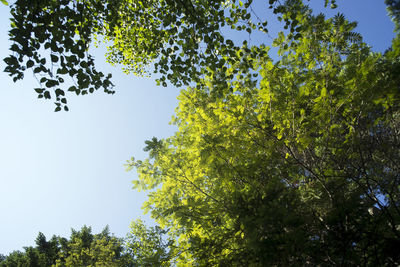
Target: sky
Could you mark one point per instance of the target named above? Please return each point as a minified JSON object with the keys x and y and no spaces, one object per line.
{"x":64,"y":170}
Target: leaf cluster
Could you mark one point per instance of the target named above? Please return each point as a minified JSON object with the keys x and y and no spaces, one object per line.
{"x":186,"y":40}
{"x":299,"y":167}
{"x":51,"y":38}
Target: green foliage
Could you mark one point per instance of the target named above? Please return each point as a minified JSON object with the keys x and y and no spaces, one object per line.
{"x":297,"y":167}
{"x":393,"y":7}
{"x":184,"y":39}
{"x":142,"y":247}
{"x":82,"y":249}
{"x":147,"y":245}
{"x":289,"y":162}
{"x":51,"y":38}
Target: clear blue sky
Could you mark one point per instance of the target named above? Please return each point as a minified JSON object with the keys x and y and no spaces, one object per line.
{"x":63,"y":170}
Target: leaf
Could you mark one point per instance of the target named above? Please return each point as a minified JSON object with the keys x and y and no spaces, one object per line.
{"x":29,"y":64}
{"x":51,"y":83}
{"x":54,"y":58}
{"x":47,"y":95}
{"x":323,"y":92}
{"x":59,"y":92}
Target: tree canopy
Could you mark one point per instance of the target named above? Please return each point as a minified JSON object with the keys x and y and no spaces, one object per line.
{"x":148,"y":246}
{"x":143,"y":246}
{"x":297,"y":167}
{"x":279,"y":160}
{"x":184,"y":39}
{"x":82,"y":249}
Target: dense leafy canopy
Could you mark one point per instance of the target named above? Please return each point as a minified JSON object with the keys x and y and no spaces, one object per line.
{"x":288,"y":161}
{"x":299,"y":167}
{"x":143,"y":246}
{"x":82,"y":249}
{"x":184,"y":39}
{"x":147,"y":245}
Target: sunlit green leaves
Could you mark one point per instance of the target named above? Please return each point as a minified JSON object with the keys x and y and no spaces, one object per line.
{"x":82,"y":249}
{"x":181,"y":40}
{"x":148,"y":245}
{"x":272,"y":171}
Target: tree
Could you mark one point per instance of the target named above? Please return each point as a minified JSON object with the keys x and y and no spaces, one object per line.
{"x":393,"y":7}
{"x":285,"y":162}
{"x":148,"y":245}
{"x":15,"y":258}
{"x":183,"y":38}
{"x":86,"y":249}
{"x":48,"y":249}
{"x":299,"y":167}
{"x":82,"y":249}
